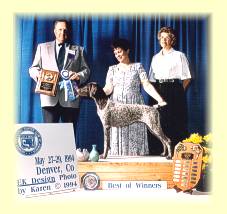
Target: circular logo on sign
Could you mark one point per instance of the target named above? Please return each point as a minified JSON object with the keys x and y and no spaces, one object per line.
{"x":28,"y":141}
{"x":90,"y":181}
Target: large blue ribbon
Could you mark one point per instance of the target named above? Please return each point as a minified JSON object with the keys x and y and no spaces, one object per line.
{"x":70,"y":87}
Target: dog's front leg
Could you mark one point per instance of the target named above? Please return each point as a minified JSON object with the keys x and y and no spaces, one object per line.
{"x":168,"y":144}
{"x":106,"y":142}
{"x":163,"y":154}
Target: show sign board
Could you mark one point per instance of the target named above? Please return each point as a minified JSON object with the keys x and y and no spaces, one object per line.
{"x":134,"y":185}
{"x":46,"y":159}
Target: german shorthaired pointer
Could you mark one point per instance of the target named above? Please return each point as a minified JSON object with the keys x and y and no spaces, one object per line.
{"x":117,"y":115}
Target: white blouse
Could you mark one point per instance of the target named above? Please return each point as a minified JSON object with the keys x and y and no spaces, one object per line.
{"x":172,"y":65}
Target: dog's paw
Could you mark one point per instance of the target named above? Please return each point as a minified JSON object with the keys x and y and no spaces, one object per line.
{"x":168,"y":157}
{"x":102,"y":156}
{"x":163,"y":154}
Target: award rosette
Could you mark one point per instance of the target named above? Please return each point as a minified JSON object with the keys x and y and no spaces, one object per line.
{"x":69,"y":86}
{"x":47,"y":83}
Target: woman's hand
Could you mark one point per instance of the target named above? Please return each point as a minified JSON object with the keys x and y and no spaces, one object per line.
{"x":160,"y":104}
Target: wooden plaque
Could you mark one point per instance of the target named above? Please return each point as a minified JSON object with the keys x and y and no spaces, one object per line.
{"x":47,"y":83}
{"x":187,"y":164}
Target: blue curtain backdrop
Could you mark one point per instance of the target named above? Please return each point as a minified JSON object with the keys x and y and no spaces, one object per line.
{"x":95,"y":33}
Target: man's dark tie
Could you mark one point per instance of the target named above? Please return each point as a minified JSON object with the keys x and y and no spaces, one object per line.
{"x":61,"y":57}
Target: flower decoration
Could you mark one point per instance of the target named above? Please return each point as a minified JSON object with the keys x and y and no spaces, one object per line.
{"x":205,"y":142}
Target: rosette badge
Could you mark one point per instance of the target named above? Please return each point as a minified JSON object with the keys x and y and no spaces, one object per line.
{"x":68,"y":86}
{"x":65,"y":74}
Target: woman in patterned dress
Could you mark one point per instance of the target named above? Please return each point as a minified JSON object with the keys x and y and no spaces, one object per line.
{"x":123,"y":83}
{"x":170,"y":70}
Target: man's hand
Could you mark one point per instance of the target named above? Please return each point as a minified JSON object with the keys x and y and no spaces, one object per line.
{"x":73,"y":75}
{"x":36,"y":76}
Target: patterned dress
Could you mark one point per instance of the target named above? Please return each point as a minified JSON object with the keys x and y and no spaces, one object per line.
{"x":129,"y":140}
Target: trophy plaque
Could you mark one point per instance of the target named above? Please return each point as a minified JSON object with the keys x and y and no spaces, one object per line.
{"x":187,"y":164}
{"x":47,"y":83}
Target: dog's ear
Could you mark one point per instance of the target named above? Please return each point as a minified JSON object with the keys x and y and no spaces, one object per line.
{"x":92,"y":89}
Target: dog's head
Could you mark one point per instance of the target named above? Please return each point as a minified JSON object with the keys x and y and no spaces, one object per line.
{"x":89,"y":90}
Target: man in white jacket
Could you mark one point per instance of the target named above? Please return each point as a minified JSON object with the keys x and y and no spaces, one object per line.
{"x":56,"y":108}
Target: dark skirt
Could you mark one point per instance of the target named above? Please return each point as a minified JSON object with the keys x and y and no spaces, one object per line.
{"x":173,"y":116}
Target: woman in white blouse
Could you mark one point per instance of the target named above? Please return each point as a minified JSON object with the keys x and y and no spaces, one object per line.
{"x":123,"y":82}
{"x":170,"y":70}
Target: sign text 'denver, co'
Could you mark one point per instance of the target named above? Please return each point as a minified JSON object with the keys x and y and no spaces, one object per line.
{"x":46,"y":161}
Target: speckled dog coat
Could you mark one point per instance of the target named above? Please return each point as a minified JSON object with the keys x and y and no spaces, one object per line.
{"x":117,"y":115}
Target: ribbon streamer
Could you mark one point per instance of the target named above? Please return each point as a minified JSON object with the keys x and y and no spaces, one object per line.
{"x":70,"y":87}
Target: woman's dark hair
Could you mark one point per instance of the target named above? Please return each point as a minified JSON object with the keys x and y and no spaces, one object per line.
{"x":121,"y":43}
{"x":171,"y":33}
